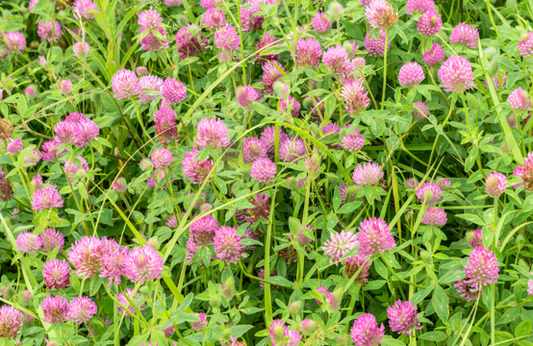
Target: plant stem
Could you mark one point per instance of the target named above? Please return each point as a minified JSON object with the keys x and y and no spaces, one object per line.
{"x":385,"y":69}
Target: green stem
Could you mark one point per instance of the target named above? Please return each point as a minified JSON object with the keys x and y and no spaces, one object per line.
{"x":385,"y":69}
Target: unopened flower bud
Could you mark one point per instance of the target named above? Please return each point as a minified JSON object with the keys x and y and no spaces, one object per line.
{"x":307,"y":103}
{"x":494,"y":67}
{"x":281,"y":89}
{"x":349,"y":48}
{"x":333,"y":299}
{"x":120,"y":185}
{"x":182,"y":20}
{"x":295,"y":307}
{"x":490,"y":52}
{"x":307,"y":326}
{"x":208,"y":103}
{"x":426,"y":256}
{"x":519,"y":239}
{"x":226,"y":333}
{"x":31,"y":91}
{"x":204,"y":208}
{"x":228,"y":288}
{"x":398,"y":107}
{"x":81,"y":173}
{"x":335,"y":11}
{"x":353,"y":189}
{"x":34,"y":44}
{"x":8,"y":292}
{"x":141,"y":71}
{"x":214,"y":302}
{"x":146,"y":165}
{"x":24,"y":297}
{"x":153,"y":243}
{"x":145,"y":291}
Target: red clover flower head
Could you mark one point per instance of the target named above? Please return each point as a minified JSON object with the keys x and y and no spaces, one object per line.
{"x":55,"y":309}
{"x":434,"y":217}
{"x":353,"y":263}
{"x":272,"y":71}
{"x":496,"y":183}
{"x":86,"y":256}
{"x":48,"y":31}
{"x":212,"y":133}
{"x":375,"y":46}
{"x":475,"y":238}
{"x":137,"y":300}
{"x":254,"y":149}
{"x":321,"y":23}
{"x":266,"y":41}
{"x":380,"y":14}
{"x":465,"y":34}
{"x":429,"y":24}
{"x":519,"y":100}
{"x":366,"y":332}
{"x":81,"y":310}
{"x":268,"y":137}
{"x":197,"y":171}
{"x":125,"y":84}
{"x":355,"y":96}
{"x":46,"y":198}
{"x":368,"y":173}
{"x":428,"y":192}
{"x":28,"y":242}
{"x":149,"y":83}
{"x":420,"y":111}
{"x":353,"y":142}
{"x":81,"y":8}
{"x":165,"y":125}
{"x":419,"y":6}
{"x":10,"y":321}
{"x":403,"y":318}
{"x":56,"y":274}
{"x":292,"y":149}
{"x":308,"y":52}
{"x":290,"y":104}
{"x":469,"y":292}
{"x":142,"y":264}
{"x":411,"y":74}
{"x":173,"y":91}
{"x":246,"y":96}
{"x":339,"y":244}
{"x":482,"y":267}
{"x":51,"y":239}
{"x":263,"y":170}
{"x":149,"y":19}
{"x":200,"y":325}
{"x":81,"y":49}
{"x":375,"y":237}
{"x":434,"y":56}
{"x":228,"y":245}
{"x":525,"y":47}
{"x":213,"y":19}
{"x":335,"y":57}
{"x":161,"y":158}
{"x":456,"y":74}
{"x":15,"y":41}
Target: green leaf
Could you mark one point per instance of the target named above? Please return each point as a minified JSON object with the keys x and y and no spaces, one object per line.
{"x":349,"y":207}
{"x":375,"y":285}
{"x":509,"y":315}
{"x":434,"y":336}
{"x":440,"y":303}
{"x":238,"y":331}
{"x":279,"y":280}
{"x":420,"y":295}
{"x":523,"y":329}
